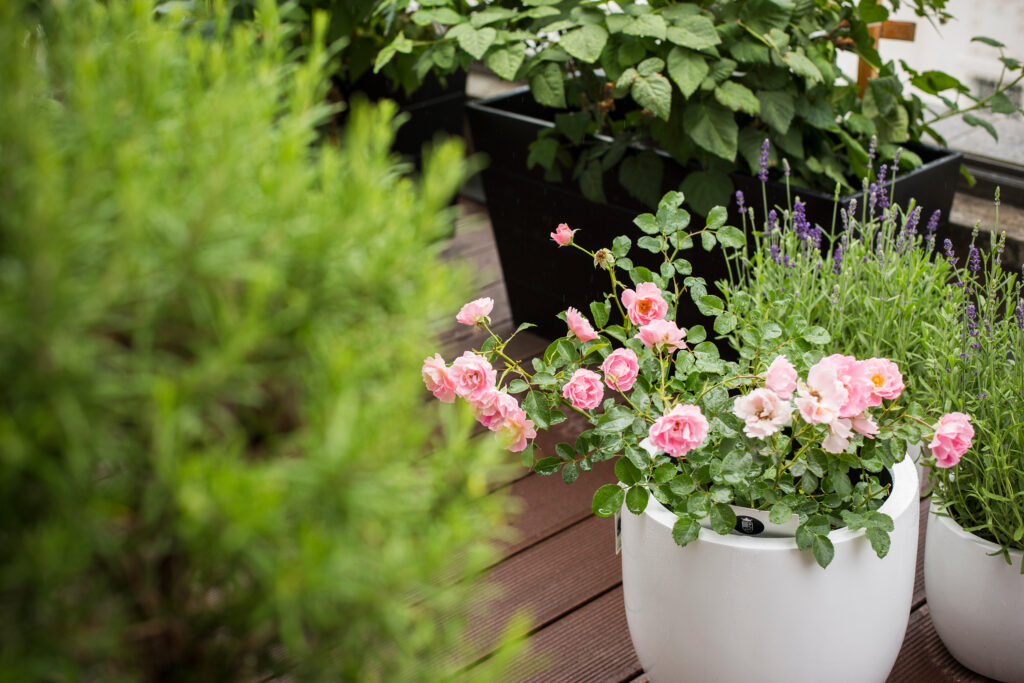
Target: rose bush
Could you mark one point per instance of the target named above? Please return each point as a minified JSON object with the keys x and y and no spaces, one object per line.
{"x":787,"y":428}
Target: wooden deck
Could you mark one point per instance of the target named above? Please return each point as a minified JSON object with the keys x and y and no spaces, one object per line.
{"x":562,"y":568}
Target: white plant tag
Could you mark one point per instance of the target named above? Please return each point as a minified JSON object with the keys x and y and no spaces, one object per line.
{"x":750,"y":522}
{"x":618,"y":531}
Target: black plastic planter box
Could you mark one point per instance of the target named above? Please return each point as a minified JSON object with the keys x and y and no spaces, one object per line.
{"x":543,"y":279}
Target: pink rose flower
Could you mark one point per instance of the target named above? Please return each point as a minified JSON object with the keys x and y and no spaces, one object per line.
{"x":821,"y":397}
{"x":435,"y":376}
{"x":854,"y":376}
{"x":763,"y":413}
{"x":472,"y":376}
{"x":781,"y":377}
{"x":493,"y":407}
{"x":662,"y":333}
{"x":645,"y":305}
{"x":886,"y":380}
{"x":865,"y":425}
{"x":679,"y":431}
{"x":476,"y":311}
{"x":562,"y":234}
{"x":515,"y":431}
{"x":953,"y":434}
{"x":839,"y":434}
{"x":621,"y":368}
{"x":584,"y":389}
{"x":579,"y":326}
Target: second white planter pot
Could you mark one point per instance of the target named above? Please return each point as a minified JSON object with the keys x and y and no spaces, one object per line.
{"x":739,"y":609}
{"x":976,"y":601}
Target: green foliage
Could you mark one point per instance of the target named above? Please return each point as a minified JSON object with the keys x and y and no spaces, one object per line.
{"x":215,"y":463}
{"x":979,"y":372}
{"x":707,"y":80}
{"x":799,"y":468}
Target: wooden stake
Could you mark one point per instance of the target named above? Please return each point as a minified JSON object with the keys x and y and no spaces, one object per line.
{"x":892,"y":30}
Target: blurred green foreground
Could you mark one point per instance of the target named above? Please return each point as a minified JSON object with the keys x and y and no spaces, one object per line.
{"x":217,"y":458}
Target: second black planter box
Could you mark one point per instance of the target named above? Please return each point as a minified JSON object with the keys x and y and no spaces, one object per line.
{"x":543,"y":280}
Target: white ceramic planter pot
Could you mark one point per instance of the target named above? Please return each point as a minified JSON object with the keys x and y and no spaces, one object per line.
{"x":976,"y":601}
{"x":738,"y":608}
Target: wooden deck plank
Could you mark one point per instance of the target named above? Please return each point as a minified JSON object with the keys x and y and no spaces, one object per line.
{"x":590,"y":645}
{"x":924,"y":659}
{"x":547,"y":581}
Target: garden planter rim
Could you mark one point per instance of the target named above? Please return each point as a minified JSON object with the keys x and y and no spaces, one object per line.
{"x":487,"y":104}
{"x":954,"y":527}
{"x":904,"y":492}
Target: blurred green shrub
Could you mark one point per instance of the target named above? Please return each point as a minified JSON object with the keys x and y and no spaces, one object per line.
{"x":216,"y":462}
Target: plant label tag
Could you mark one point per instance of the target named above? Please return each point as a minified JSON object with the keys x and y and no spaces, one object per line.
{"x":757,"y":523}
{"x":618,"y":531}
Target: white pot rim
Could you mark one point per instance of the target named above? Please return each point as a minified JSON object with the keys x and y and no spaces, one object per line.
{"x":954,"y":528}
{"x":905,"y":490}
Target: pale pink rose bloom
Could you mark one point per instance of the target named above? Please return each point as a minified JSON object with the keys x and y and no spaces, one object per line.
{"x":579,"y":325}
{"x":854,"y":376}
{"x":865,"y":425}
{"x":763,"y":413}
{"x":435,"y":376}
{"x":679,"y":431}
{"x":839,"y":433}
{"x":472,"y":376}
{"x":645,"y":304}
{"x":515,"y":431}
{"x":953,"y":434}
{"x":562,"y":234}
{"x":781,"y":377}
{"x":621,"y":368}
{"x":475,"y":311}
{"x":821,"y":397}
{"x":493,"y":407}
{"x":886,"y":380}
{"x":584,"y":389}
{"x":662,"y":333}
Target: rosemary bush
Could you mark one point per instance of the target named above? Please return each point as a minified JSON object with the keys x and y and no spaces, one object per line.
{"x":215,"y":463}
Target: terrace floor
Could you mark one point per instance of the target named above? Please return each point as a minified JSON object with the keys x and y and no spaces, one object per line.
{"x":562,"y":568}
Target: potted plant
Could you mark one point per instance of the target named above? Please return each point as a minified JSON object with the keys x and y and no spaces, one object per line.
{"x":737,"y":476}
{"x":974,"y":552}
{"x":625,"y":105}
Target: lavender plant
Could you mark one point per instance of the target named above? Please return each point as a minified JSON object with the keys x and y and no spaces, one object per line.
{"x":979,"y":370}
{"x":872,"y":279}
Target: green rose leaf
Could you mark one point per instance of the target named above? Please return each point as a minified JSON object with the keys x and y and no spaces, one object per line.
{"x":547,"y":85}
{"x":585,"y":43}
{"x":688,"y":69}
{"x":685,"y":531}
{"x":725,"y":323}
{"x":607,"y":500}
{"x":695,"y":32}
{"x":653,"y":92}
{"x":600,"y":312}
{"x":636,"y":499}
{"x":737,"y":97}
{"x":547,"y":466}
{"x":570,"y":473}
{"x":627,"y":472}
{"x":780,"y":514}
{"x":817,"y":335}
{"x":723,"y":519}
{"x":822,"y":549}
{"x":517,"y":386}
{"x":505,"y":61}
{"x":731,"y":237}
{"x":664,"y":473}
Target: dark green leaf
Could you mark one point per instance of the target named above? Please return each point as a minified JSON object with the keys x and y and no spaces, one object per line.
{"x":707,"y":189}
{"x":505,"y":61}
{"x":664,"y":473}
{"x":713,"y":128}
{"x":696,"y":32}
{"x":565,"y":451}
{"x":636,"y":499}
{"x":682,"y":486}
{"x":688,"y":69}
{"x":573,"y":125}
{"x":547,"y":85}
{"x":641,"y":175}
{"x":585,"y":43}
{"x":879,"y":540}
{"x":653,"y":92}
{"x":777,"y":108}
{"x":823,"y":550}
{"x":737,"y":97}
{"x":627,"y":472}
{"x":517,"y":385}
{"x":780,"y":514}
{"x":542,"y":151}
{"x":600,"y":312}
{"x":685,"y":531}
{"x":646,"y":25}
{"x":607,"y":500}
{"x":650,"y":66}
{"x":570,"y":473}
{"x":723,"y":519}
{"x":547,"y":466}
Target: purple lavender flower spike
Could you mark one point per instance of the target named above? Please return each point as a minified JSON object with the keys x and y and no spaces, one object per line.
{"x":785,"y":167}
{"x":739,"y":200}
{"x":933,"y":222}
{"x":837,"y":260}
{"x":762,"y":173}
{"x":774,"y":249}
{"x":773,"y":221}
{"x":801,"y":226}
{"x":974,"y":259}
{"x":947,"y":247}
{"x":1018,"y":314}
{"x":896,"y":159}
{"x":871,"y":151}
{"x":883,"y":194}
